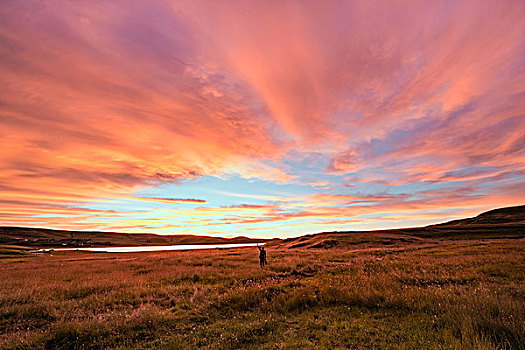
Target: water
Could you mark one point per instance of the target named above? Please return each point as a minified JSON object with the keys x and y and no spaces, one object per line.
{"x":156,"y":248}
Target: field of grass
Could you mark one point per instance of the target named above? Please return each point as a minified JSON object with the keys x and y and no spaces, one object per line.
{"x":461,"y":294}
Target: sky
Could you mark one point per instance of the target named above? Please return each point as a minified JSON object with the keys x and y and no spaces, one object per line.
{"x":259,"y":118}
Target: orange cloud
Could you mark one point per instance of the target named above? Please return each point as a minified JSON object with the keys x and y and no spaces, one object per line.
{"x":170,"y":200}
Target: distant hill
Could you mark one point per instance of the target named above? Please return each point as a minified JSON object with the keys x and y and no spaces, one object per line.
{"x":39,"y":237}
{"x":501,"y":216}
{"x":498,"y":223}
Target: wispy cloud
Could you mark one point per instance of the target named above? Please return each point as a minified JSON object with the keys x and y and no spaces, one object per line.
{"x":170,"y":200}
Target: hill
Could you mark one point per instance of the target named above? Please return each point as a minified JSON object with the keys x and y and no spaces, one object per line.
{"x":501,"y":216}
{"x":498,"y":223}
{"x":39,"y":237}
{"x":506,"y":222}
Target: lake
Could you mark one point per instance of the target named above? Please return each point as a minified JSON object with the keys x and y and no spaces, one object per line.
{"x":157,"y":248}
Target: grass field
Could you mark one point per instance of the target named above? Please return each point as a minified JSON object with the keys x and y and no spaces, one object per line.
{"x":462,"y":294}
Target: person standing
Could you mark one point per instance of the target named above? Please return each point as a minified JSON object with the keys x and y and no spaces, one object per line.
{"x":262,"y":256}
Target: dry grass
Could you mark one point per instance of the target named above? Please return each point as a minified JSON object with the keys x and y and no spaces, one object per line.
{"x":446,"y":295}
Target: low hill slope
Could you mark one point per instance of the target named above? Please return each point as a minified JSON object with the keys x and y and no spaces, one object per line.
{"x":498,"y":223}
{"x":501,"y":216}
{"x":38,"y":237}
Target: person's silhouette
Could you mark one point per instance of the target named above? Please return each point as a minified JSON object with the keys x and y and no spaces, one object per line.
{"x":262,"y":256}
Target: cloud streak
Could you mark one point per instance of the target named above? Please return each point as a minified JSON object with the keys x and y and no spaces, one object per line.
{"x":170,"y":200}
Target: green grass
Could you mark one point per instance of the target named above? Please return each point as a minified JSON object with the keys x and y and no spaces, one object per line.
{"x":446,"y":295}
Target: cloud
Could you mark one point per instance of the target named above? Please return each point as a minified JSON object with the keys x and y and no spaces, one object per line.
{"x":170,"y":200}
{"x":359,"y":107}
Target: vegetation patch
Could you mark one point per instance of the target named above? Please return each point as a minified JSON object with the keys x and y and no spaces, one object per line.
{"x":407,"y":298}
{"x":326,"y":244}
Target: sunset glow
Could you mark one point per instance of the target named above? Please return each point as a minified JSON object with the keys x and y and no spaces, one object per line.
{"x":259,"y":118}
